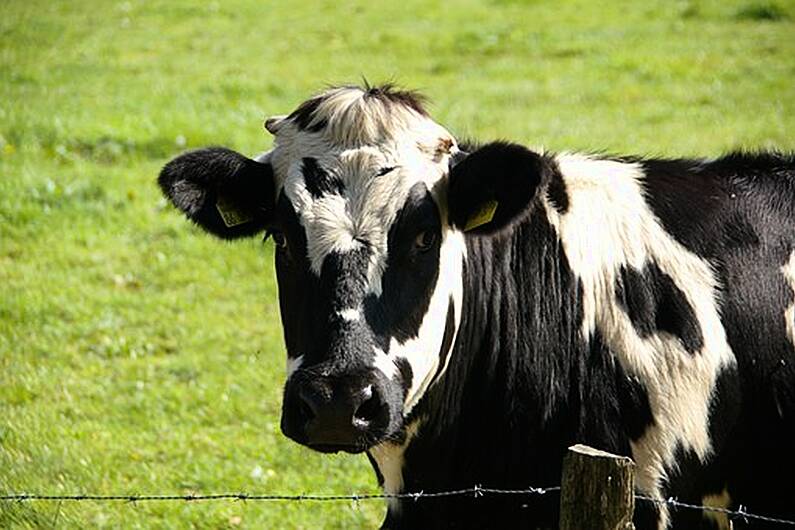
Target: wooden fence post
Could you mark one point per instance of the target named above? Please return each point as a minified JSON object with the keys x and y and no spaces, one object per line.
{"x":597,"y":490}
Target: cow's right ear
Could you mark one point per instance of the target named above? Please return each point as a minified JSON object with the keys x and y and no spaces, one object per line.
{"x":222,"y":191}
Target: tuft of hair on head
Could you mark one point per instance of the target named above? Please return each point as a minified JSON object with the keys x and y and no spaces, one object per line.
{"x":393,"y":94}
{"x":358,"y":115}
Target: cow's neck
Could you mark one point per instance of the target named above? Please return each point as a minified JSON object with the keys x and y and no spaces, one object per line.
{"x":512,"y":391}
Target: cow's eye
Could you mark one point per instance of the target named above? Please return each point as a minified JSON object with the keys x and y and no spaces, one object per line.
{"x":425,"y":240}
{"x":279,"y":239}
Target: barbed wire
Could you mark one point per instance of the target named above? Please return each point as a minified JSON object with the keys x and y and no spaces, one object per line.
{"x":475,"y":492}
{"x":739,"y":514}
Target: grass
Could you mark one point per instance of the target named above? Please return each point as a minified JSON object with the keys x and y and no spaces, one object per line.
{"x":138,"y":355}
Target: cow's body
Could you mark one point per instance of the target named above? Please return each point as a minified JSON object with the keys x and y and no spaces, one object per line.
{"x":524,"y":383}
{"x":645,"y":307}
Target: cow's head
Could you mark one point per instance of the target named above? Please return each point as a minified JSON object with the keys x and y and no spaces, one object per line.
{"x":367,"y":201}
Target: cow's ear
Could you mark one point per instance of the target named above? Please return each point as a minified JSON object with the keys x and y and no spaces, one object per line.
{"x":222,"y":191}
{"x":492,"y":186}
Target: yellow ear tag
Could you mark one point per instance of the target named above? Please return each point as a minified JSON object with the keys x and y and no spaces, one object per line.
{"x":231,"y":215}
{"x":484,"y":215}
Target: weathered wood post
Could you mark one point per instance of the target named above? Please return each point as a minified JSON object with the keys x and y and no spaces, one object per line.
{"x":597,"y":490}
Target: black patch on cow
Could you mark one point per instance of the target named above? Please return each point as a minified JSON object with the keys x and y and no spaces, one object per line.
{"x":406,"y":374}
{"x":654,"y":303}
{"x":304,"y":115}
{"x":556,"y":190}
{"x":646,"y":516}
{"x":709,"y":206}
{"x":739,"y":233}
{"x":384,"y":170}
{"x":633,"y":401}
{"x":343,"y":278}
{"x":318,"y":181}
{"x":299,"y":289}
{"x":447,"y":339}
{"x":410,"y":276}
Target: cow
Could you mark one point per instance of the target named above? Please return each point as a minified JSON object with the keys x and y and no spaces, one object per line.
{"x":462,"y":313}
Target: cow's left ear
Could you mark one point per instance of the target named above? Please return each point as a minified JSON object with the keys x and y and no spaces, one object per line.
{"x":222,"y":191}
{"x":492,"y":186}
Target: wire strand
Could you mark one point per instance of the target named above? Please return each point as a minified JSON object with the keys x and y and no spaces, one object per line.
{"x":475,"y":492}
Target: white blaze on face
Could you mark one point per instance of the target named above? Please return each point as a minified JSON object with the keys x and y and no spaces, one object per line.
{"x":789,"y":315}
{"x":423,"y":352}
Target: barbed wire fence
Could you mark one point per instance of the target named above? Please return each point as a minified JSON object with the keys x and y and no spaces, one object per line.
{"x":475,"y":492}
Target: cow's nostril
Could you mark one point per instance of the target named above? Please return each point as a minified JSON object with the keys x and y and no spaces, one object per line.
{"x":369,"y":409}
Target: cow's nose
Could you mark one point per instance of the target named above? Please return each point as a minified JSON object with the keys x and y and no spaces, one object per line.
{"x":339,"y":417}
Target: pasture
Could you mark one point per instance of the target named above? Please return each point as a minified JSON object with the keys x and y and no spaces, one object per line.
{"x":138,"y":355}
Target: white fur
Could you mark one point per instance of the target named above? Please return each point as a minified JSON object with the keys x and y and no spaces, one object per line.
{"x":293,"y":364}
{"x":385,"y":363}
{"x":389,"y":458}
{"x":609,"y":225}
{"x":350,"y":314}
{"x":789,"y":313}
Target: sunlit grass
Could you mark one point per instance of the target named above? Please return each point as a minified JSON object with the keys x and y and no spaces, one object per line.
{"x":138,"y":355}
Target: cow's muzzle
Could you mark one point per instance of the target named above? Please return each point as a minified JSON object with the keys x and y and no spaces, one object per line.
{"x":345,"y":413}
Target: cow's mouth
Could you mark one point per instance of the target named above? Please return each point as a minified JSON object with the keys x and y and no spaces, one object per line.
{"x":337,"y":448}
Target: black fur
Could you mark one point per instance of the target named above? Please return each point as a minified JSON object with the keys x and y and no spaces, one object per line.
{"x":318,"y":181}
{"x":633,"y":401}
{"x":305,"y":113}
{"x":654,"y":303}
{"x":410,"y":276}
{"x":196,"y":180}
{"x":393,"y":95}
{"x":507,"y":173}
{"x":556,"y":190}
{"x":406,"y":373}
{"x":337,"y":352}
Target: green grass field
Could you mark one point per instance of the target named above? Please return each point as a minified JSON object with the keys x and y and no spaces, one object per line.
{"x":138,"y":355}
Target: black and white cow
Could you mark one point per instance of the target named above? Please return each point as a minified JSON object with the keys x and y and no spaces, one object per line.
{"x":464,"y":314}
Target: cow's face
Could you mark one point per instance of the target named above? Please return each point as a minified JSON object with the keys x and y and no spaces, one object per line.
{"x":369,"y":274}
{"x":369,"y":254}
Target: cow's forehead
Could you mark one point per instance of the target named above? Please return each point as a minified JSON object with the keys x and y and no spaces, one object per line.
{"x":370,"y":153}
{"x":357,"y":132}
